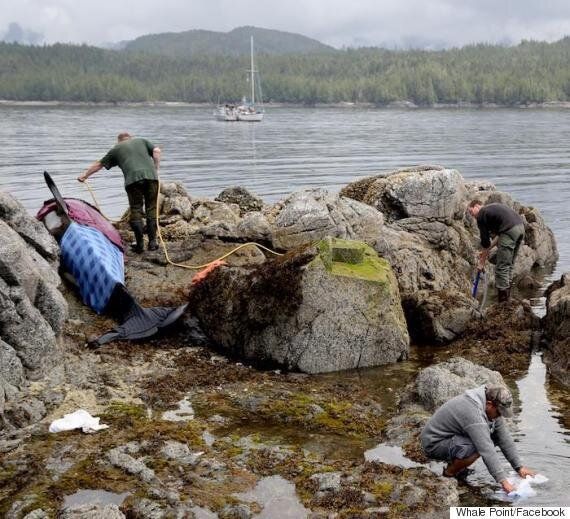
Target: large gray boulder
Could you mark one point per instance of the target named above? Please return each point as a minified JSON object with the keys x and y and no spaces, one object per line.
{"x":437,"y":384}
{"x":318,"y":309}
{"x":556,"y":325}
{"x":419,"y":191}
{"x":438,"y":316}
{"x":311,"y":215}
{"x":32,"y":309}
{"x":431,"y":261}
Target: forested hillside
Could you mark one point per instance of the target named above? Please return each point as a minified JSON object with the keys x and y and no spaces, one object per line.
{"x":235,"y":42}
{"x":528,"y":73}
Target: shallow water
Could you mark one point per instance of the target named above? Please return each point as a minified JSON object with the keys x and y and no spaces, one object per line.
{"x":184,"y":413}
{"x":390,"y":454}
{"x":277,"y":497}
{"x":542,"y":441}
{"x":538,"y":428}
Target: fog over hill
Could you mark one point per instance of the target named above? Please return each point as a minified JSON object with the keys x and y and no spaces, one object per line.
{"x":391,"y":24}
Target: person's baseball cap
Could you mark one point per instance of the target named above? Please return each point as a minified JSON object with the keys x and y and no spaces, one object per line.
{"x":502,"y":398}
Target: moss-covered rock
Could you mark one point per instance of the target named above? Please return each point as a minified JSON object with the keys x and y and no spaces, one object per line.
{"x":327,"y":307}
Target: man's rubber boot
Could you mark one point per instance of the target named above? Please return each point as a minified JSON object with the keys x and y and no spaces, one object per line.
{"x":503,"y":295}
{"x":151,"y":231}
{"x":137,"y":228}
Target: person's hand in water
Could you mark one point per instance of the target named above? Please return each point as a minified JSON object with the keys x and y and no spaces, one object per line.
{"x":507,"y":487}
{"x":524,"y":472}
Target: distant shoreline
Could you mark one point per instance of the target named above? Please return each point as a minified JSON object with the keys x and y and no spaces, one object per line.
{"x":391,"y":106}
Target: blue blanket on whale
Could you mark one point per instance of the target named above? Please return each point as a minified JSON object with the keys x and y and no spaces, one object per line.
{"x":95,"y":263}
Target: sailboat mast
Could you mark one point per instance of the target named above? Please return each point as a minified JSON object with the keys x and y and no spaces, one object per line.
{"x":252,"y":72}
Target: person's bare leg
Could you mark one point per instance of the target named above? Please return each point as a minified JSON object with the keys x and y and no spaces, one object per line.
{"x":457,"y":465}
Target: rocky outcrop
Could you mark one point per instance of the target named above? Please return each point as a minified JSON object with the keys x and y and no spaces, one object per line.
{"x":439,"y":316}
{"x":234,"y":215}
{"x":432,"y":244}
{"x":421,"y":191}
{"x":30,"y":230}
{"x":32,"y":310}
{"x":301,"y":218}
{"x":312,"y":215}
{"x":247,"y":202}
{"x":556,"y":325}
{"x":317,"y":309}
{"x":413,"y":217}
{"x":437,"y":384}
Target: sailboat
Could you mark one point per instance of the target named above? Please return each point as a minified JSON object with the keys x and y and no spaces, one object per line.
{"x":247,"y":110}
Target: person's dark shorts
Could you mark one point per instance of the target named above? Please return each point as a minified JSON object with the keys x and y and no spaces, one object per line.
{"x":456,"y":447}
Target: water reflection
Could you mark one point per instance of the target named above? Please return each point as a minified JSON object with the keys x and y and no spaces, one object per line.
{"x":543,"y":441}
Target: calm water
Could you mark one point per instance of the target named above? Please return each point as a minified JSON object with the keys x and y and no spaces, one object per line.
{"x":524,"y":152}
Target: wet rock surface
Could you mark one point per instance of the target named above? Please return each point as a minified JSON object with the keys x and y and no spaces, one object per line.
{"x":305,"y":434}
{"x":422,"y":191}
{"x":324,"y":308}
{"x":32,"y":309}
{"x":557,"y":329}
{"x":247,"y":202}
{"x":311,"y":215}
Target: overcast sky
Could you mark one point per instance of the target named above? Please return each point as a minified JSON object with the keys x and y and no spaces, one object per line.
{"x":391,"y":23}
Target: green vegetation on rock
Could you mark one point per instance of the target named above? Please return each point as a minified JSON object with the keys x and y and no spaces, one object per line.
{"x":353,"y":259}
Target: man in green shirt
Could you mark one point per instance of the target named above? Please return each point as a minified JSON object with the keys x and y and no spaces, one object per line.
{"x":139,"y":160}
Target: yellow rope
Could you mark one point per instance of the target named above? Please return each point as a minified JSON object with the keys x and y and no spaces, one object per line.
{"x":165,"y":250}
{"x":92,"y":193}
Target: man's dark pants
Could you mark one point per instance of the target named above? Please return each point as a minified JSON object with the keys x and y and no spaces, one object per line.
{"x":143,"y":193}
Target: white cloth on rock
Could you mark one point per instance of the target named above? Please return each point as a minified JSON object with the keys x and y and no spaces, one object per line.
{"x":80,"y":419}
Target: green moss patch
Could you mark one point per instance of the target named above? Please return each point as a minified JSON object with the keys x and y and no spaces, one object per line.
{"x":353,"y":259}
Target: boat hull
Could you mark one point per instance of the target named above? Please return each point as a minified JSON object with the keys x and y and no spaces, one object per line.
{"x":225,"y":114}
{"x":250,"y":117}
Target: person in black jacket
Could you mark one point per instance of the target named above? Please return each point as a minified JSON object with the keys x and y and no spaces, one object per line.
{"x":499,"y":226}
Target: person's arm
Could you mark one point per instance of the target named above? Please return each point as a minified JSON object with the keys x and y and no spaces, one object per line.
{"x":96,"y":166}
{"x":156,"y":157}
{"x":504,"y":440}
{"x":484,"y":254}
{"x":481,"y":438}
{"x":484,"y":234}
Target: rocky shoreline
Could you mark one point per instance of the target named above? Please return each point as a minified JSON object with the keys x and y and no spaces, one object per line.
{"x":201,"y":428}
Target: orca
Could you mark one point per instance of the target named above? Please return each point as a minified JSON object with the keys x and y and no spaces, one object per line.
{"x":92,"y":255}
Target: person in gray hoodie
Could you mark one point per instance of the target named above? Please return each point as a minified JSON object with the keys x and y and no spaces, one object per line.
{"x":471,"y":425}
